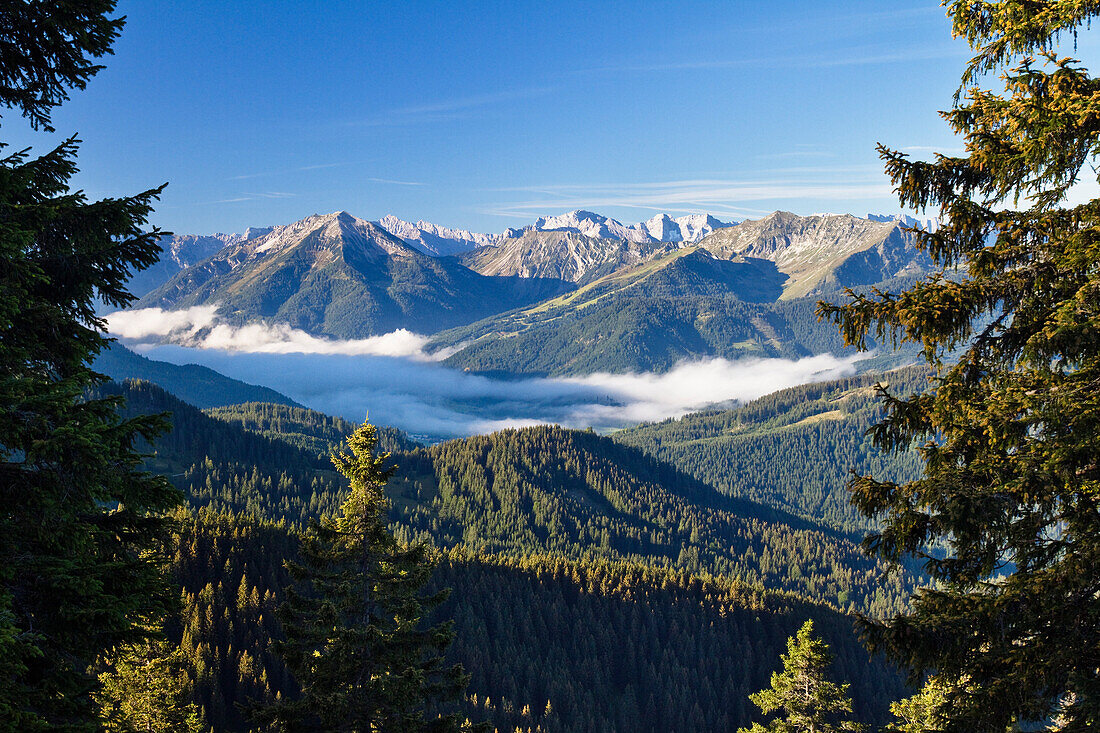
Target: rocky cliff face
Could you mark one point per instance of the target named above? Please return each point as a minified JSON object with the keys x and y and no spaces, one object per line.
{"x":562,"y":254}
{"x":822,"y":251}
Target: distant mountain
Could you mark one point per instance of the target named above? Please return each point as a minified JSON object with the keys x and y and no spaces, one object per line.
{"x":435,"y":240}
{"x":563,"y":254}
{"x":179,"y":252}
{"x":661,"y":228}
{"x":749,"y":290}
{"x":929,"y":225}
{"x":194,"y":384}
{"x":341,"y":276}
{"x":824,"y":252}
{"x":681,"y":305}
{"x":817,"y":253}
{"x":573,"y":293}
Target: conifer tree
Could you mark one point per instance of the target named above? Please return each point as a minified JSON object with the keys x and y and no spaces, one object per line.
{"x":146,"y":688}
{"x":354,"y":637}
{"x":920,"y":712}
{"x":804,"y":698}
{"x":1008,"y":430}
{"x":79,"y":519}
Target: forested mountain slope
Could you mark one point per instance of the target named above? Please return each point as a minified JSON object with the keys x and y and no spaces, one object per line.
{"x":196,"y":385}
{"x":686,"y":305}
{"x":793,"y":450}
{"x":312,"y":431}
{"x":585,"y":647}
{"x":585,"y":573}
{"x":580,"y":495}
{"x":531,"y":491}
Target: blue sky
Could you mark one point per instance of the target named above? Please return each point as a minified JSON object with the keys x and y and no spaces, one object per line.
{"x":485,"y":115}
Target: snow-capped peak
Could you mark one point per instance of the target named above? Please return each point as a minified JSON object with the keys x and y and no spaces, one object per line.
{"x":905,"y":220}
{"x":433,"y":239}
{"x":661,"y":228}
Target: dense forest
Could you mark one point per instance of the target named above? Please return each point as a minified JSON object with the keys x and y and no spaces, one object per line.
{"x":795,"y":449}
{"x":551,"y":643}
{"x":519,"y":492}
{"x":164,"y":568}
{"x":561,"y":546}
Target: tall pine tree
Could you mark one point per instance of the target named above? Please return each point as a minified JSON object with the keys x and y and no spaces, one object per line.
{"x":1008,"y":431}
{"x":802,"y":697}
{"x":354,"y":637}
{"x":79,"y":519}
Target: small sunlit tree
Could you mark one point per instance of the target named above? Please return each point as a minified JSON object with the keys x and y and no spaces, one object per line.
{"x":802,"y":697}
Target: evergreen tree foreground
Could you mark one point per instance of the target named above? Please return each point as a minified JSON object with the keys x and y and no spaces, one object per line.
{"x":354,"y":637}
{"x":1008,"y":431}
{"x":81,"y":522}
{"x":802,"y":696}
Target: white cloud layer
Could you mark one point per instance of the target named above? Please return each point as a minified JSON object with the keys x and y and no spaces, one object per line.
{"x":394,"y":381}
{"x":199,"y":327}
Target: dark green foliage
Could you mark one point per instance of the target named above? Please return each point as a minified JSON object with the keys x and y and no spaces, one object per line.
{"x":355,"y":640}
{"x":532,"y":491}
{"x":615,"y":647}
{"x":802,"y":696}
{"x":1008,"y":433}
{"x":194,"y":384}
{"x":46,"y":49}
{"x":610,"y":646}
{"x":80,"y":517}
{"x":307,"y":429}
{"x":231,"y":573}
{"x":794,"y":449}
{"x":578,"y":495}
{"x":221,"y":466}
{"x":531,"y":626}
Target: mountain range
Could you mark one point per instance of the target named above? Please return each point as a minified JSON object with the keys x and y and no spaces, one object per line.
{"x":185,"y":250}
{"x":341,"y":276}
{"x":568,"y":294}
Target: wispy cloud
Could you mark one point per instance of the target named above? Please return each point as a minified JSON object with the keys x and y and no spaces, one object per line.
{"x":285,"y":171}
{"x":256,"y":196}
{"x":448,"y":109}
{"x":864,"y":57}
{"x":716,"y":196}
{"x":796,"y":154}
{"x":393,"y":182}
